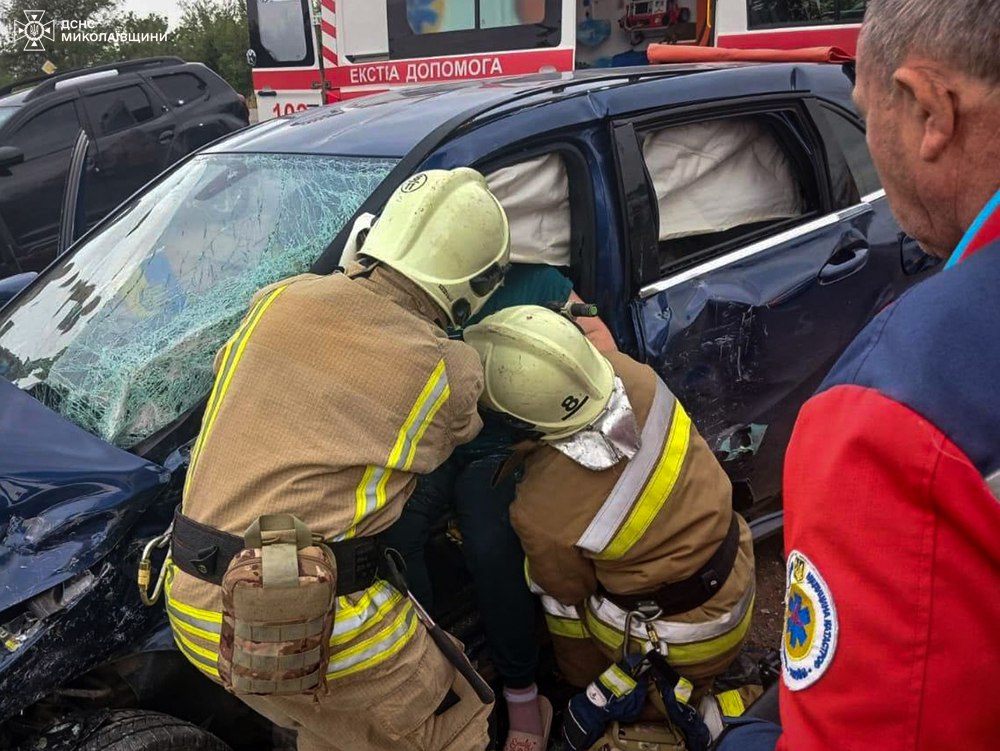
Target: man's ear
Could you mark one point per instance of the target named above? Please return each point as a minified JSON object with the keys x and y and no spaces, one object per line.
{"x":928,"y":98}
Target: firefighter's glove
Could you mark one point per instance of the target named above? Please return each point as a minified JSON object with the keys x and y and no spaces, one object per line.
{"x":616,"y":695}
{"x":684,"y":717}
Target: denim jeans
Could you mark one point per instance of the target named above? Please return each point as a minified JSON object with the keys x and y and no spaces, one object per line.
{"x":492,"y":553}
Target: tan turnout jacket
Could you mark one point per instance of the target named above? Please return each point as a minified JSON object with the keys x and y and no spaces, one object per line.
{"x":332,"y":395}
{"x":645,"y":522}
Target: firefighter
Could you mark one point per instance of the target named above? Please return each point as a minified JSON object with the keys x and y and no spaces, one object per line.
{"x":333,"y":395}
{"x":622,"y":508}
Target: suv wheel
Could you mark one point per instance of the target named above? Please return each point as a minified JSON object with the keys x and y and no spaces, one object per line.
{"x":135,"y":730}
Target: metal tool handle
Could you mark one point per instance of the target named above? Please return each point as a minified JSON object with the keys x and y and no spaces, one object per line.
{"x":456,"y":657}
{"x":394,"y":573}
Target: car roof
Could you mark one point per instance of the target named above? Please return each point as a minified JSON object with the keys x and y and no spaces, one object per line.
{"x":16,"y":99}
{"x":393,"y":123}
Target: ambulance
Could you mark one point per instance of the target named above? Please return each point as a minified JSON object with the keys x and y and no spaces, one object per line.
{"x":305,"y":53}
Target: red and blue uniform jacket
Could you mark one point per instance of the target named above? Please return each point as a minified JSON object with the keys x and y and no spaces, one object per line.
{"x":892,"y":480}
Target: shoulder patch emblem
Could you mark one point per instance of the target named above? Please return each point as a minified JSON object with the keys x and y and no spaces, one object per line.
{"x":809,"y":637}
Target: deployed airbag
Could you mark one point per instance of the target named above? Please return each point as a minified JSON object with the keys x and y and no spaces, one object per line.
{"x":535,"y":195}
{"x":713,"y":176}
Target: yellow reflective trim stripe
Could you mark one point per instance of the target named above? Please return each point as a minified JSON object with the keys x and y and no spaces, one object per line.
{"x":241,"y":346}
{"x":204,"y":615}
{"x":438,"y":403}
{"x":677,"y":654}
{"x":402,"y":438}
{"x":212,"y":657}
{"x":225,"y":376}
{"x":368,"y":623}
{"x":213,"y":397}
{"x":360,"y":499}
{"x":731,"y":703}
{"x":395,"y":636}
{"x":617,"y":681}
{"x":566,"y":627}
{"x":370,"y":494}
{"x":196,"y":659}
{"x":661,"y":484}
{"x":179,"y":625}
{"x":346,"y":609}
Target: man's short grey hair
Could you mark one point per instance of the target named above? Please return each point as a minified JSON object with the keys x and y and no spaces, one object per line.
{"x":963,"y":34}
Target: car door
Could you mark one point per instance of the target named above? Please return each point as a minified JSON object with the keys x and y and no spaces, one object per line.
{"x":757,"y":261}
{"x":133,"y":132}
{"x":31,"y":192}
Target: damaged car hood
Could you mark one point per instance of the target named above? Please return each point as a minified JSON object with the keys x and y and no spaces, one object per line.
{"x":66,"y":496}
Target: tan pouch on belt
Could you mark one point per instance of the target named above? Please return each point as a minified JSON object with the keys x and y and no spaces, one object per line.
{"x":278,"y":598}
{"x":641,"y":736}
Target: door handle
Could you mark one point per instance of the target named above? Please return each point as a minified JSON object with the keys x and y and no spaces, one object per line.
{"x":166,"y":136}
{"x":845,"y":262}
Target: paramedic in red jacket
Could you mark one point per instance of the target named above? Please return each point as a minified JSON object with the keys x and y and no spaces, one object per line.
{"x":892,"y":477}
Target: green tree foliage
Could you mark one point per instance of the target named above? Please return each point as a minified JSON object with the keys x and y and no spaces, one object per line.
{"x":213,"y":32}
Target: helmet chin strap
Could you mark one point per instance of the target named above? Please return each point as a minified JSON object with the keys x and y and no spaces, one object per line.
{"x":613,"y":436}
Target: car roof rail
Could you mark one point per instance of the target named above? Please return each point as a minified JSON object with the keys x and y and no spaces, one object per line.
{"x":48,"y":84}
{"x":20,"y":84}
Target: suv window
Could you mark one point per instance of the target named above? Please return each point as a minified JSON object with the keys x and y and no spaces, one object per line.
{"x":769,"y":13}
{"x":851,"y":140}
{"x":112,"y":111}
{"x":180,"y":88}
{"x":722,"y":183}
{"x":47,"y":132}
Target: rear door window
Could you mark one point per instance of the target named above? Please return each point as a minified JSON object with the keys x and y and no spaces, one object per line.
{"x":180,"y":89}
{"x":118,"y":109}
{"x":724,"y":182}
{"x":851,"y":139}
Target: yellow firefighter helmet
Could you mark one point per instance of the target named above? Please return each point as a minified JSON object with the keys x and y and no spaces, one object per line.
{"x":541,"y":370}
{"x":445,"y":232}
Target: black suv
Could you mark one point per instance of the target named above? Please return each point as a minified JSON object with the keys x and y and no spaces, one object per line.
{"x":137,"y":118}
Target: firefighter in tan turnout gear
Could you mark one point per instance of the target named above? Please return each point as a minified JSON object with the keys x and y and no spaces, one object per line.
{"x":622,"y":507}
{"x":332,"y":395}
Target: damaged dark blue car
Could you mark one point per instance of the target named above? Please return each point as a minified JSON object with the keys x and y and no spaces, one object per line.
{"x":725,"y":219}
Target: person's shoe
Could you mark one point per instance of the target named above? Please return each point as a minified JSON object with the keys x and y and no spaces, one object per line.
{"x":518,"y":740}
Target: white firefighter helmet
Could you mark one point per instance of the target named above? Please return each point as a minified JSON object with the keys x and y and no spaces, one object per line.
{"x":445,"y":232}
{"x":541,"y":370}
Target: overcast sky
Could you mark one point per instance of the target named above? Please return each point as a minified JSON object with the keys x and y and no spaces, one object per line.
{"x":169,"y":8}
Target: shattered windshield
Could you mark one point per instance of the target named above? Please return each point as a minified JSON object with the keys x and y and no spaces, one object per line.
{"x":121,"y":336}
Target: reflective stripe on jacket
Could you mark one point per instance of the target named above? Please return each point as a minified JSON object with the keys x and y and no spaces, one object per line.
{"x":646,"y":522}
{"x":332,"y":394}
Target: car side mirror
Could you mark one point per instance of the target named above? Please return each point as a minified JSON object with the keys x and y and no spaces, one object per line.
{"x":14,"y":284}
{"x":10,"y":155}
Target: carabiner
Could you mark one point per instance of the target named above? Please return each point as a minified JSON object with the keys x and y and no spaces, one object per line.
{"x":145,"y":568}
{"x":646,"y":615}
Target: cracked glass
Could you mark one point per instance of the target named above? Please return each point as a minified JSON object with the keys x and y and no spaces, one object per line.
{"x":120,"y":337}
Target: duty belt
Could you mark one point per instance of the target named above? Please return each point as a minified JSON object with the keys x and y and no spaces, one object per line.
{"x":205,"y":552}
{"x":693,"y":592}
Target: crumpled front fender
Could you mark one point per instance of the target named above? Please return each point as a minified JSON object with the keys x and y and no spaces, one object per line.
{"x":67,"y":498}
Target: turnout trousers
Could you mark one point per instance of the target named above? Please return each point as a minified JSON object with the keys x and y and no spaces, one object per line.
{"x":417,"y":702}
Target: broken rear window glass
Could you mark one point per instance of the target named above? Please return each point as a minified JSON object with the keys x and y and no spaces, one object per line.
{"x":121,"y":337}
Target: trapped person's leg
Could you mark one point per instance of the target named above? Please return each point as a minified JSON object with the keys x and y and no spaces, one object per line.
{"x":432,"y":496}
{"x":507,"y":607}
